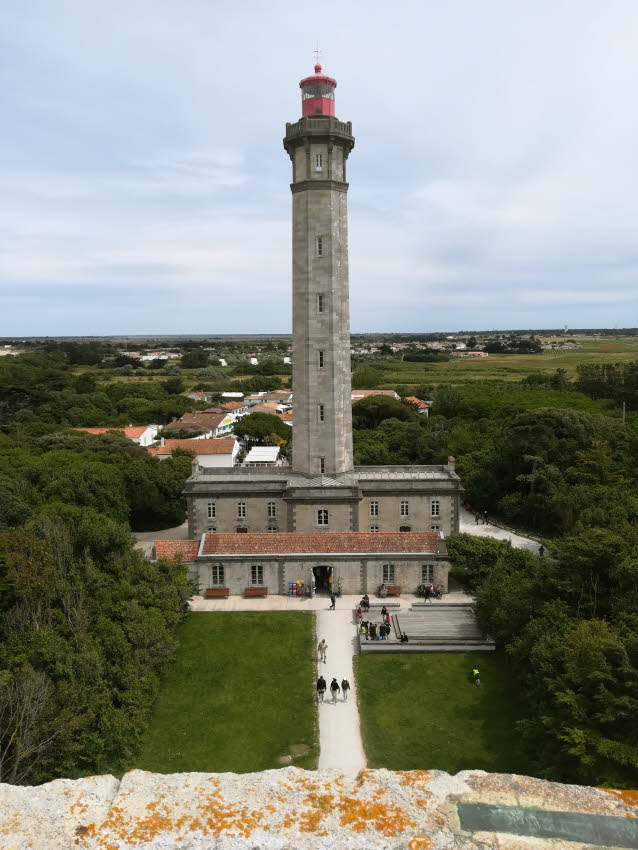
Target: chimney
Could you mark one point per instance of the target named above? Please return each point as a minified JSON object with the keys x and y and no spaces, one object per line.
{"x":161,"y":441}
{"x":451,"y":463}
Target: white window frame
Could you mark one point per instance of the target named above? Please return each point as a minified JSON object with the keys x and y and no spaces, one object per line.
{"x":435,"y":507}
{"x":217,"y":575}
{"x":212,"y":510}
{"x":374,"y":528}
{"x":321,"y":359}
{"x":374,"y":508}
{"x":319,"y":246}
{"x":211,"y":530}
{"x":320,"y":302}
{"x":257,"y":575}
{"x":241,"y":510}
{"x":272,"y":529}
{"x":427,"y":573}
{"x":319,"y":162}
{"x":388,"y":574}
{"x":272,"y":510}
{"x":404,"y":508}
{"x":321,"y":413}
{"x":322,"y":517}
{"x":435,"y":528}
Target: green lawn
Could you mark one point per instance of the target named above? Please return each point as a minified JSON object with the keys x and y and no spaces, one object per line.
{"x":423,"y":711}
{"x":236,"y":696}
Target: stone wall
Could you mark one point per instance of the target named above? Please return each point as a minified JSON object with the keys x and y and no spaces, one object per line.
{"x":289,"y":808}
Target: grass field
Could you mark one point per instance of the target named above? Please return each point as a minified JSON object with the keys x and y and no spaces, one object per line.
{"x":237,"y":695}
{"x":509,"y":367}
{"x":423,"y":711}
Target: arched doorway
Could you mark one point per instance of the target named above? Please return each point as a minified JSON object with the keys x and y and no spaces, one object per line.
{"x":323,"y":576}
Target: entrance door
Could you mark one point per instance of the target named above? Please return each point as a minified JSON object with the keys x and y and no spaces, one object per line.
{"x":322,"y":580}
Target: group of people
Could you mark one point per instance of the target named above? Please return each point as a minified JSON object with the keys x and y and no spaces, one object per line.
{"x":335,"y":688}
{"x":374,"y":631}
{"x":429,"y":591}
{"x":483,"y":517}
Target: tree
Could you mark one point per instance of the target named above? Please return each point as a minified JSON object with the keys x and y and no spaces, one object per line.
{"x":369,"y":412}
{"x":257,"y":427}
{"x":195,"y":358}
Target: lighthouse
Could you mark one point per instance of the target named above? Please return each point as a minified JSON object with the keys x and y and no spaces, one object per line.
{"x":318,"y":145}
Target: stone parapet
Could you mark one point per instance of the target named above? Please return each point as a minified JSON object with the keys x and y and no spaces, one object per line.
{"x":287,"y":808}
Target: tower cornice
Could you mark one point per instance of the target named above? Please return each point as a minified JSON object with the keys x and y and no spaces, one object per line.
{"x":336,"y":185}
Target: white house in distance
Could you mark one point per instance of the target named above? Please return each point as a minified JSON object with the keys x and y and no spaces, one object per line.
{"x":359,"y":394}
{"x":263,"y":456}
{"x":143,"y":435}
{"x":210,"y":453}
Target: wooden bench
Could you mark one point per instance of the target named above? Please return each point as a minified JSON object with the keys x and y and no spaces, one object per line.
{"x":393,"y":589}
{"x":216,"y":593}
{"x":255,"y":591}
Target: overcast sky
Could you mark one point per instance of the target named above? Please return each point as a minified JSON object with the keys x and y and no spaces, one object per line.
{"x":144,"y":187}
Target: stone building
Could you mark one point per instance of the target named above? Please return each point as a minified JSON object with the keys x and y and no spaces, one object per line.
{"x":322,"y":492}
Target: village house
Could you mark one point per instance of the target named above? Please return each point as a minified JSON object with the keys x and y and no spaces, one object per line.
{"x":143,"y":435}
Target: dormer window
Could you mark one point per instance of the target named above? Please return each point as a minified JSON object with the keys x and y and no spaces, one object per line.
{"x":319,"y":162}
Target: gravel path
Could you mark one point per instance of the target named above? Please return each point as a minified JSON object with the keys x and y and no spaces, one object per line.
{"x":468,"y":526}
{"x":340,"y":744}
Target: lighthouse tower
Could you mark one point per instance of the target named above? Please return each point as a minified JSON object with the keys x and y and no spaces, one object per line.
{"x":318,"y":145}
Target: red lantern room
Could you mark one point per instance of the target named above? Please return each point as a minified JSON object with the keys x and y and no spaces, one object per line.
{"x":318,"y":94}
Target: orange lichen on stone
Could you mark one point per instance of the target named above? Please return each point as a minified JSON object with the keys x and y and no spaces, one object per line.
{"x":389,"y":820}
{"x":414,"y":777}
{"x":628,"y":797}
{"x":419,"y":842}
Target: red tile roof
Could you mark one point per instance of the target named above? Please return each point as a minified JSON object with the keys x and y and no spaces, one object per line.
{"x":324,"y":542}
{"x":285,"y":417}
{"x":130,"y":431}
{"x":182,"y":550}
{"x":220,"y":446}
{"x":265,"y":407}
{"x":414,"y":400}
{"x":231,"y":405}
{"x":200,"y":419}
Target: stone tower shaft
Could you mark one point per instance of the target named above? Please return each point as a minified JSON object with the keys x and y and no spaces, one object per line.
{"x":318,"y":146}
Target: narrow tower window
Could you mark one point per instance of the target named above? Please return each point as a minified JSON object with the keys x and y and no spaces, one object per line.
{"x":374,"y":509}
{"x":322,"y":465}
{"x":435,"y":508}
{"x":241,"y":510}
{"x":272,"y":510}
{"x":321,"y":360}
{"x":405,"y":508}
{"x":321,"y":413}
{"x":319,"y":246}
{"x":322,"y":517}
{"x":319,"y":162}
{"x":212,"y":513}
{"x":319,"y":303}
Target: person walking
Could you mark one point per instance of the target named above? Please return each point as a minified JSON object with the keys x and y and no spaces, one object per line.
{"x":321,"y":688}
{"x":333,"y":601}
{"x":476,"y":517}
{"x":485,"y":518}
{"x":334,"y":689}
{"x":322,"y":648}
{"x":345,"y":687}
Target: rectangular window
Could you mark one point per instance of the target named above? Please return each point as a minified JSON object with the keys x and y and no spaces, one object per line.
{"x":211,"y":529}
{"x":318,"y":162}
{"x":319,"y":303}
{"x":212,"y":514}
{"x":241,"y":510}
{"x":374,"y":528}
{"x":257,"y":575}
{"x":435,"y":528}
{"x":405,"y":508}
{"x":435,"y":508}
{"x":322,"y":517}
{"x":217,"y":575}
{"x":272,"y":529}
{"x":427,"y":574}
{"x":322,"y":465}
{"x":321,"y":360}
{"x":388,"y":573}
{"x":272,"y":510}
{"x":321,"y":413}
{"x":319,"y":246}
{"x":374,"y":509}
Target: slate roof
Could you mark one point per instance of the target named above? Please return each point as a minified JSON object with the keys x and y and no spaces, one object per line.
{"x":325,"y":542}
{"x":183,"y":550}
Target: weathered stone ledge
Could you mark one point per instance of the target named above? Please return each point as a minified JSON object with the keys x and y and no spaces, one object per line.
{"x":301,"y":809}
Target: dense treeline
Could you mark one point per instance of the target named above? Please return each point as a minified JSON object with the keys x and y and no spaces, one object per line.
{"x":569,"y":622}
{"x":86,"y":623}
{"x":551,"y":459}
